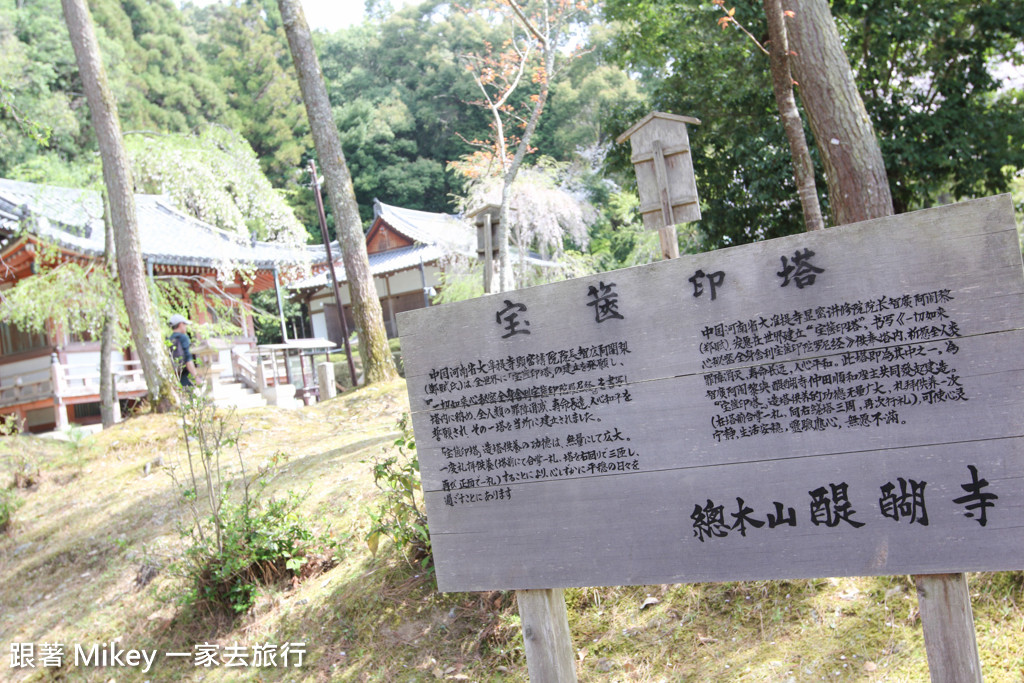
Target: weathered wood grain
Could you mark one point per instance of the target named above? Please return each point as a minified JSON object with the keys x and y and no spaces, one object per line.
{"x":597,"y":474}
{"x":546,"y":637}
{"x":945,"y":606}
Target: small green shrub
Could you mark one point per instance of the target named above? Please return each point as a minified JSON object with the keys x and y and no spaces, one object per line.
{"x":10,"y":424}
{"x":235,"y":543}
{"x":8,"y":504}
{"x":261,"y":544}
{"x":400,"y":514}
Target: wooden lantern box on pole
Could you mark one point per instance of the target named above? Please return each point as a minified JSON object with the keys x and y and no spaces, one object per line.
{"x":486,"y":219}
{"x":664,"y":174}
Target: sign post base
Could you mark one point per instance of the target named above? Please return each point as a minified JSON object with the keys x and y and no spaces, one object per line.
{"x":546,"y":638}
{"x":948,"y":622}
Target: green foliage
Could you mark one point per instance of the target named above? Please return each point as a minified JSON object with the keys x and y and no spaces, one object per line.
{"x":174,"y":295}
{"x":50,"y":168}
{"x":461,"y":279}
{"x":928,"y":76}
{"x":9,"y":424}
{"x":234,"y":544}
{"x":400,"y":94}
{"x":35,"y":131}
{"x":156,"y":75}
{"x":37,"y":76}
{"x":576,"y":117}
{"x":8,"y":504}
{"x":926,"y":72}
{"x":69,"y":296}
{"x":267,"y":319}
{"x":72,"y":297}
{"x":740,"y":153}
{"x":248,"y":57}
{"x":383,"y":157}
{"x":400,"y":515}
{"x":261,"y":543}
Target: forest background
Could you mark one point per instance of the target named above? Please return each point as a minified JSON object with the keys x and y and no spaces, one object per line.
{"x":213,"y":117}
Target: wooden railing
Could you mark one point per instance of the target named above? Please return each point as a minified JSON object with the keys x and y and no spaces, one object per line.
{"x":22,"y":391}
{"x":274,"y":370}
{"x":66,"y":381}
{"x":244,"y":371}
{"x":257,"y":373}
{"x":128,"y":377}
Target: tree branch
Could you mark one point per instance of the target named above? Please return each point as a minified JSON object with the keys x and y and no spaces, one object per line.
{"x":542,"y":39}
{"x":729,"y":18}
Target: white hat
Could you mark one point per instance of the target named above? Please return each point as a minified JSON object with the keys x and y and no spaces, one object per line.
{"x":177,"y":318}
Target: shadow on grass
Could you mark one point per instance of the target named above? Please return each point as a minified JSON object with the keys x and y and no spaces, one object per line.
{"x":84,"y":554}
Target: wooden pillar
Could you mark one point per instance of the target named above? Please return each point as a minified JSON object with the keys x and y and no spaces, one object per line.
{"x":287,"y":368}
{"x":488,"y":254}
{"x":391,"y":305}
{"x":280,"y":306}
{"x":545,"y":622}
{"x":949,"y":640}
{"x":60,"y":410}
{"x":667,"y":234}
{"x":669,"y":242}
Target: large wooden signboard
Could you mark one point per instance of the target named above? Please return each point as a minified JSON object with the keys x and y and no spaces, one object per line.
{"x":839,"y":403}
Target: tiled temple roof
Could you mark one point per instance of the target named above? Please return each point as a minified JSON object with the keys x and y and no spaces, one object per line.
{"x":73,"y":219}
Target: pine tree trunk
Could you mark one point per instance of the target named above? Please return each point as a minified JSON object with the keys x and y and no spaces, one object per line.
{"x":110,"y":411}
{"x":858,"y":187}
{"x":782,"y":84}
{"x":378,"y":364}
{"x":149,"y":342}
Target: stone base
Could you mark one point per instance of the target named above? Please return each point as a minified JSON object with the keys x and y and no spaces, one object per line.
{"x":282,"y":396}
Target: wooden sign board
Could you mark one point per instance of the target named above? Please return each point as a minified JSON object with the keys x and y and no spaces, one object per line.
{"x":839,"y":403}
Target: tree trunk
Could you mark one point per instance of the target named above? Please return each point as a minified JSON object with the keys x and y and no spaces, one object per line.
{"x":366,"y":309}
{"x":110,"y":410}
{"x":549,"y":49}
{"x":782,"y":84}
{"x":149,"y":342}
{"x":857,"y":185}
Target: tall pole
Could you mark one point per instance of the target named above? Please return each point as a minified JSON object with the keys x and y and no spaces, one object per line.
{"x":280,"y":305}
{"x":426,"y":290}
{"x":330,"y":264}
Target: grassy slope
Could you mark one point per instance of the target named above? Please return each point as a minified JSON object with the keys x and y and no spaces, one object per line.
{"x":81,"y":536}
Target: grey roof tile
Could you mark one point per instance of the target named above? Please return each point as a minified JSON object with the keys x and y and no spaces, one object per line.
{"x":74,"y":219}
{"x":425,"y":227}
{"x":381,"y":263}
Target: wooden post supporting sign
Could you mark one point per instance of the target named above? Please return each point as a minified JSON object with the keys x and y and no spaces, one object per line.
{"x":546,"y":638}
{"x":945,"y":606}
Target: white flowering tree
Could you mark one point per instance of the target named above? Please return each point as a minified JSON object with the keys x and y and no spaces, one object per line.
{"x":545,"y":210}
{"x":215,"y":177}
